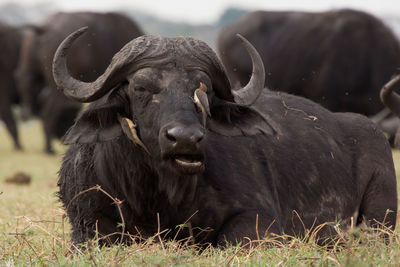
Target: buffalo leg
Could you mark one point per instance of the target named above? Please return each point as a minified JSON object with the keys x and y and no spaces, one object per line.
{"x":379,"y":201}
{"x":47,"y":135}
{"x":7,"y":116}
{"x":379,"y":204}
{"x":48,"y":139}
{"x":247,"y":226}
{"x":105,"y":229}
{"x":49,"y":116}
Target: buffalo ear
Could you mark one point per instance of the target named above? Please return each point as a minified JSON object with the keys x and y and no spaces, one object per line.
{"x":99,"y":122}
{"x":231,"y":119}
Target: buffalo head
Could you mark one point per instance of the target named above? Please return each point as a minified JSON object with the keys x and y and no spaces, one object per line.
{"x":161,"y":90}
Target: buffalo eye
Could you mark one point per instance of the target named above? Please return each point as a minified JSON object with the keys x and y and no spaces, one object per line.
{"x":139,"y":89}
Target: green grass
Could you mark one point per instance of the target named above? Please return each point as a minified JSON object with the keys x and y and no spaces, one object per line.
{"x":34,"y":230}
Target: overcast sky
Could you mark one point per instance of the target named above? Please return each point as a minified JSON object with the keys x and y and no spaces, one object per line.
{"x":203,"y":11}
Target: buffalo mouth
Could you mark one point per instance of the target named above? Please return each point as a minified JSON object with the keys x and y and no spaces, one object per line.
{"x":187,"y":163}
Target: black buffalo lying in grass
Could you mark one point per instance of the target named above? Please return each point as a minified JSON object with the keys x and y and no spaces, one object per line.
{"x":167,"y":136}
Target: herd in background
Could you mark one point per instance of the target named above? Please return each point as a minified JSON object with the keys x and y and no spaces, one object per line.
{"x":29,"y":56}
{"x":340,"y":59}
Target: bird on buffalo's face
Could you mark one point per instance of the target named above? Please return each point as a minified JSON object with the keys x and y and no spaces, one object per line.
{"x":167,"y":136}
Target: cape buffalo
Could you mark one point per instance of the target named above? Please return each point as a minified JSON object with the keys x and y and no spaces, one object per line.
{"x":10,"y":41}
{"x":339,"y":58}
{"x":167,"y":136}
{"x":88,"y":58}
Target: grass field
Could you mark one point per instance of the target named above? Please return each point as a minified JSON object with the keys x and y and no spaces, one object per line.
{"x":34,"y":230}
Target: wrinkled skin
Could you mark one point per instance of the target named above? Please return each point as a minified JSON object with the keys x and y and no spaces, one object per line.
{"x":259,"y":165}
{"x":10,"y":41}
{"x":91,"y":55}
{"x":339,"y":58}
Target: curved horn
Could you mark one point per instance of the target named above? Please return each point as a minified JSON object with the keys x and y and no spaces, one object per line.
{"x":249,"y":94}
{"x":390,"y":98}
{"x":73,"y":88}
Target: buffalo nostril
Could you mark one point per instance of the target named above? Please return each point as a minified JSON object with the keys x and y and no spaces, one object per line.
{"x":197,"y":137}
{"x":184,"y":135}
{"x":169,"y":135}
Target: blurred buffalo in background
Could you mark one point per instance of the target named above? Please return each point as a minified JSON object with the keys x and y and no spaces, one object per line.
{"x":89,"y":57}
{"x":339,"y":58}
{"x":10,"y":41}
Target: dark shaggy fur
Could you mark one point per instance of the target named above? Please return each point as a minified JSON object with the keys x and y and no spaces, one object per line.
{"x":326,"y":170}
